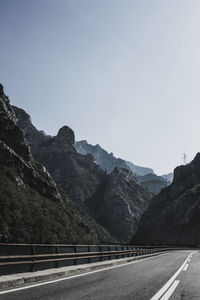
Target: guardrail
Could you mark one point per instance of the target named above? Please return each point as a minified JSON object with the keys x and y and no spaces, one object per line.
{"x":17,"y":258}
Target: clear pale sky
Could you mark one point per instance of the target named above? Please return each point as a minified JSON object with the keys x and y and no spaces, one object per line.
{"x":121,"y":73}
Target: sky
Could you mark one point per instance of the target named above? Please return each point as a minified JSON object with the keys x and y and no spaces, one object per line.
{"x":124,"y":74}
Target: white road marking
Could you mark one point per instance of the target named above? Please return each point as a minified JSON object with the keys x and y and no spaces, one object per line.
{"x":75,"y":276}
{"x":189,"y":260}
{"x":170,"y":281}
{"x":185,"y":268}
{"x":170,"y":291}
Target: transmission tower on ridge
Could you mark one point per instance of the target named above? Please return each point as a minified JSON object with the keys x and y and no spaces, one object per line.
{"x":184,"y":158}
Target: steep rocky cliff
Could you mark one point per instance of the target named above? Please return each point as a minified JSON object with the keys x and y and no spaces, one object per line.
{"x":16,"y":152}
{"x":173,"y":216}
{"x":77,"y":174}
{"x":32,"y":207}
{"x":107,"y":161}
{"x":115,"y":200}
{"x":121,"y":203}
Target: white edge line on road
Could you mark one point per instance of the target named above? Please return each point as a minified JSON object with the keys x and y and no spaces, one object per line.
{"x":170,"y":291}
{"x":185,"y":268}
{"x":170,"y":281}
{"x":78,"y":275}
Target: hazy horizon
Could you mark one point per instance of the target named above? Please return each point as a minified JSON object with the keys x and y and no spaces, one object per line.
{"x":122,"y":74}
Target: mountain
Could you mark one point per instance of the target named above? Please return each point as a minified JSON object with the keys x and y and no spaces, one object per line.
{"x":119,"y":203}
{"x":32,"y":207}
{"x":169,"y":177}
{"x":153,"y":183}
{"x":107,"y":161}
{"x":116,"y":200}
{"x":173,"y":215}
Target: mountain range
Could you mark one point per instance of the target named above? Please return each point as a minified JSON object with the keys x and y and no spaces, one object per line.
{"x":107,"y":161}
{"x":32,"y":207}
{"x":116,"y":200}
{"x":52,"y":193}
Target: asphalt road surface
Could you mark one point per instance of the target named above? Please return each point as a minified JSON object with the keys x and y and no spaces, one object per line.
{"x":173,"y":275}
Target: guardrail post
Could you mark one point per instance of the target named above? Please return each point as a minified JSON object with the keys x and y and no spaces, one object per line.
{"x":57,"y":251}
{"x":123,"y":255}
{"x":75,"y":251}
{"x":32,"y":266}
{"x":89,"y":250}
{"x":100,"y":248}
{"x":116,"y":253}
{"x":110,"y":257}
{"x":135,"y":254}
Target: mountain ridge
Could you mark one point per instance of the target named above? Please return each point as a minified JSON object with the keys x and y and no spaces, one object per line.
{"x":107,"y":160}
{"x":84,"y":181}
{"x":33,"y":209}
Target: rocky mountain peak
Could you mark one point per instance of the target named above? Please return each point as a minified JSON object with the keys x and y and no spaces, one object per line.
{"x":24,"y":117}
{"x":122,"y":171}
{"x":98,"y":147}
{"x":66,"y":136}
{"x":1,"y":90}
{"x":107,"y":161}
{"x":186,"y":176}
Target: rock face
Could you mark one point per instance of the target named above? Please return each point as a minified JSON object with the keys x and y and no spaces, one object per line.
{"x":77,"y":174}
{"x":153,"y":183}
{"x":173,"y":215}
{"x":115,"y":200}
{"x":107,"y":161}
{"x":10,"y":133}
{"x":16,"y":152}
{"x":32,"y":208}
{"x":121,"y":205}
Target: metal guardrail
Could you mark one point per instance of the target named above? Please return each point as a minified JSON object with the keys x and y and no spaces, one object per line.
{"x":17,"y":258}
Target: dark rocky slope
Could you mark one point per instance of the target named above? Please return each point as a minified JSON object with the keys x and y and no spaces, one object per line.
{"x":115,"y":200}
{"x":32,"y":208}
{"x":119,"y":203}
{"x":107,"y":161}
{"x":173,"y":216}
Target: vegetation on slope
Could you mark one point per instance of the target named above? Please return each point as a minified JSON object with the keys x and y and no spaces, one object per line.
{"x":26,"y":216}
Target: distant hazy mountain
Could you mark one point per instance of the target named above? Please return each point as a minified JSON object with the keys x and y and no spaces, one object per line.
{"x":153,"y":183}
{"x":108,"y":161}
{"x":168,"y":177}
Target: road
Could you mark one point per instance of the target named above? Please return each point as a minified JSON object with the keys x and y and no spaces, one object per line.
{"x":173,"y":275}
